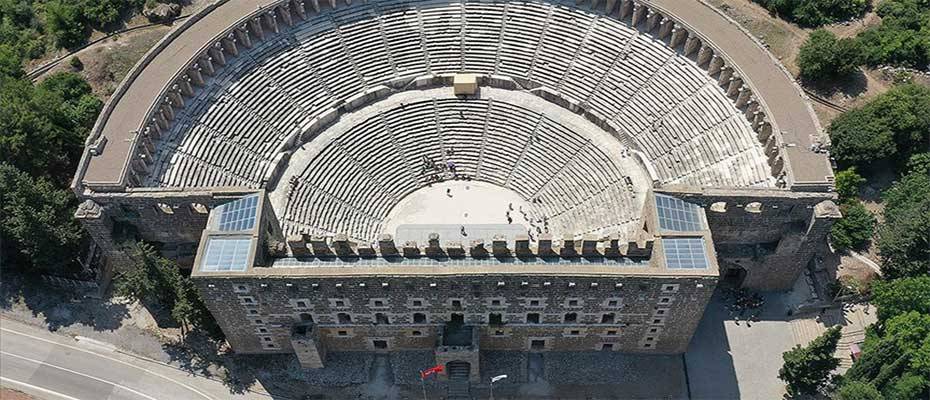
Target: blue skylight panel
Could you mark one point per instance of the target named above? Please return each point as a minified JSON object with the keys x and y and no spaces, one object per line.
{"x":224,"y":254}
{"x":685,"y":253}
{"x":239,"y":215}
{"x":678,"y":215}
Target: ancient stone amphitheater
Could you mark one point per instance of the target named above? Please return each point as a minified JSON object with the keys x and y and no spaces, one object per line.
{"x":300,"y":154}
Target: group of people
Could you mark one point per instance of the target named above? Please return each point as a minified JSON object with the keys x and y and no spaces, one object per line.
{"x":437,"y":171}
{"x":538,"y":223}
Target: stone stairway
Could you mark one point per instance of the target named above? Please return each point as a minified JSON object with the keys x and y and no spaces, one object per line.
{"x":804,"y":330}
{"x":850,"y":336}
{"x":458,"y":390}
{"x":459,"y":387}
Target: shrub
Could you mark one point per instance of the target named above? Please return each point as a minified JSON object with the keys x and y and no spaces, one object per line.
{"x":822,"y":56}
{"x":76,"y":63}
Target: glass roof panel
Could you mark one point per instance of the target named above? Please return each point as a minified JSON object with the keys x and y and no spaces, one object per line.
{"x":685,"y":253}
{"x":226,"y":254}
{"x":238,"y":215}
{"x":678,"y":215}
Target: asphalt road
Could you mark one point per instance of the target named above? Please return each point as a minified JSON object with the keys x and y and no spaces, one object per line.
{"x":51,"y":366}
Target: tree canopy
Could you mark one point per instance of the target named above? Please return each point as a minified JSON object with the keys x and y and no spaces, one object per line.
{"x":896,"y":358}
{"x":889,"y":128}
{"x":810,"y":13}
{"x":36,"y":221}
{"x":155,"y":279}
{"x":856,"y":390}
{"x":823,"y":56}
{"x":902,"y":38}
{"x":904,"y":237}
{"x":848,"y":182}
{"x":807,"y":369}
{"x":43,"y":127}
{"x":854,"y":230}
{"x":900,"y":296}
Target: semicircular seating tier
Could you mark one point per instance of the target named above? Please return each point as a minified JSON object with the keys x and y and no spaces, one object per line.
{"x":649,"y":94}
{"x":353,"y":182}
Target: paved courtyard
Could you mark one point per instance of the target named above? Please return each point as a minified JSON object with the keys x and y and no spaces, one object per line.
{"x":727,"y":360}
{"x":730,"y":359}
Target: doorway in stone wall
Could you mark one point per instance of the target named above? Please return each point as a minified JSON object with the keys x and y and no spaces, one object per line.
{"x":734,"y":275}
{"x":537,"y":344}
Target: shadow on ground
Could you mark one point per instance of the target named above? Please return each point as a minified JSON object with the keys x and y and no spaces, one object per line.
{"x":29,"y":296}
{"x":851,"y":86}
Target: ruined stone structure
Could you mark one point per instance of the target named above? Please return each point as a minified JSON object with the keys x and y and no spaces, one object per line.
{"x":460,"y":176}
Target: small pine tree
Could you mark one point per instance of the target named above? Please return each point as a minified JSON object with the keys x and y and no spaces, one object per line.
{"x":807,"y":369}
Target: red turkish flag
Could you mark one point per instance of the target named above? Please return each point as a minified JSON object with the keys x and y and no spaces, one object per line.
{"x":434,"y":370}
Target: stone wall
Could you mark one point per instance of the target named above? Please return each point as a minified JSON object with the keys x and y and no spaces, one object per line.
{"x":170,"y":219}
{"x":650,"y":314}
{"x":781,"y":229}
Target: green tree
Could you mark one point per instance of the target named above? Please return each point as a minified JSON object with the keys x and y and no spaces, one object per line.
{"x":149,"y":278}
{"x":10,"y":63}
{"x":904,"y":237}
{"x":900,"y":296}
{"x":20,"y":29}
{"x":154,"y":279}
{"x":36,"y":222}
{"x":815,"y":12}
{"x":909,"y":386}
{"x":902,"y":38}
{"x":888,"y":128}
{"x":855,"y":390}
{"x":919,"y":164}
{"x":42,"y":128}
{"x":854,"y":230}
{"x":807,"y":369}
{"x":823,"y":56}
{"x":893,"y":357}
{"x":848,"y":182}
{"x":65,"y":22}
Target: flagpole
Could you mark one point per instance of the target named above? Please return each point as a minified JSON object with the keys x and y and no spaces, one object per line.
{"x":423,"y":384}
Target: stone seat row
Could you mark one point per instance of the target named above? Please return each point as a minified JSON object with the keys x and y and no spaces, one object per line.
{"x":558,"y":167}
{"x":279,"y":81}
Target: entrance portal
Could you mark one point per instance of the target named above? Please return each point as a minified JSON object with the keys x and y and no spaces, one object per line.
{"x":537,"y":344}
{"x":458,"y":370}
